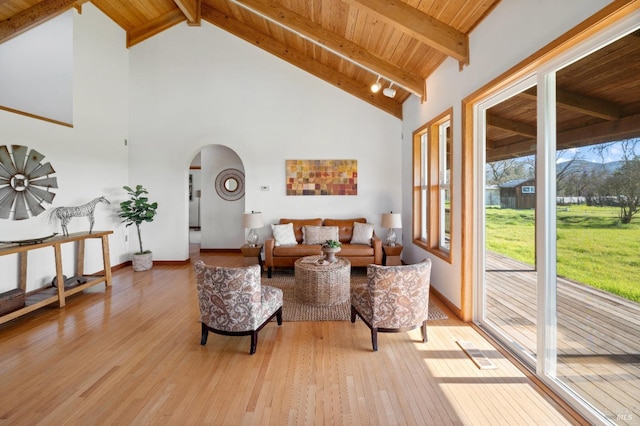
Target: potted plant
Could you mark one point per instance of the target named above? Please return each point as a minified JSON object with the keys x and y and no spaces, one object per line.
{"x":330,"y":248}
{"x":134,"y":211}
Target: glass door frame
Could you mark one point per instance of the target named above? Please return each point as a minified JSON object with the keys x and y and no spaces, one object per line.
{"x":541,"y":74}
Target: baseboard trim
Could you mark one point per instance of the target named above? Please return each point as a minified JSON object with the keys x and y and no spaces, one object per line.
{"x":220,"y":250}
{"x":453,"y":308}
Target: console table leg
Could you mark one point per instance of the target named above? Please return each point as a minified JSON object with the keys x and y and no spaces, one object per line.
{"x":59,"y":275}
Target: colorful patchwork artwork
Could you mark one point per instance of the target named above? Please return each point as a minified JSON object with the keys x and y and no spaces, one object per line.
{"x":322,"y":177}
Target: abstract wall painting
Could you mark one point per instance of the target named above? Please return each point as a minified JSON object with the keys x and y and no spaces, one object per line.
{"x":322,"y":177}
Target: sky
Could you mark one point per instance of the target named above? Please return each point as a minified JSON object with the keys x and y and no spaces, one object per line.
{"x":613,"y":152}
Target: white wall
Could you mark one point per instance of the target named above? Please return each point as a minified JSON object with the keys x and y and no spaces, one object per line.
{"x":36,"y":70}
{"x":90,"y":159}
{"x":221,"y":220}
{"x":512,"y":32}
{"x":196,"y":86}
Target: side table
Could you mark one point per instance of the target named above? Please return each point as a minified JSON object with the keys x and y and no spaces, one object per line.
{"x":391,"y":255}
{"x":252,"y":254}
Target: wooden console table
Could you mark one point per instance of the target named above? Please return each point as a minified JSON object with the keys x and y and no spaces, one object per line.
{"x":45,"y":296}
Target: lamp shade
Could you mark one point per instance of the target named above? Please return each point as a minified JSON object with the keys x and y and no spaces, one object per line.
{"x":252,"y":220}
{"x":391,"y":220}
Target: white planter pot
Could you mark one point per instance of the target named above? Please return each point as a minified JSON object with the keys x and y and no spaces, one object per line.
{"x":142,"y":262}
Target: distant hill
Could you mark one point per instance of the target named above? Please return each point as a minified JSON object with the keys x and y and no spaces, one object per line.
{"x":589,"y":166}
{"x":575,"y":165}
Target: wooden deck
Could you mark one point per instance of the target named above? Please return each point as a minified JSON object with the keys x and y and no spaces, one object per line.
{"x":598,"y":334}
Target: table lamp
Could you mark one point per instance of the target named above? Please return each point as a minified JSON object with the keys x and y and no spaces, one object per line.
{"x":391,"y":220}
{"x":252,"y":221}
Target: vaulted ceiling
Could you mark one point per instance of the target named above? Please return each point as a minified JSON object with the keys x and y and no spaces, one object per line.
{"x":347,"y":43}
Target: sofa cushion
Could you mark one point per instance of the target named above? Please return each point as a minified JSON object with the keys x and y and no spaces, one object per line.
{"x":355,"y":250}
{"x":319,"y":234}
{"x":298,"y":224}
{"x":297,"y":251}
{"x":345,"y":227}
{"x":362,"y":233}
{"x":283,"y":234}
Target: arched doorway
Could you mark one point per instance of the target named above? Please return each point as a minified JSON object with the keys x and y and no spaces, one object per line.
{"x":216,"y":198}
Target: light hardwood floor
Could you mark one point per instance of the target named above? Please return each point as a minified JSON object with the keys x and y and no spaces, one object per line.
{"x":132,"y":355}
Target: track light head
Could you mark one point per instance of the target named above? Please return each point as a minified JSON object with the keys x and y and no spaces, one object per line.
{"x":375,"y":87}
{"x":389,"y":92}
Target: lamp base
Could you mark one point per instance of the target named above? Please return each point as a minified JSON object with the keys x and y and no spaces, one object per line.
{"x":391,"y":238}
{"x":252,"y":238}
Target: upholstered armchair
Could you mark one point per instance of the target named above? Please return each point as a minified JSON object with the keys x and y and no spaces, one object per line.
{"x":234,"y":303}
{"x":393,"y":299}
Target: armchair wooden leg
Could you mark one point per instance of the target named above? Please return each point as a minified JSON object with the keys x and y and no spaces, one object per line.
{"x":353,"y":314}
{"x":269,"y":271}
{"x":424,"y":331}
{"x":374,"y":339}
{"x":279,"y":316}
{"x":254,"y":342}
{"x":205,"y":334}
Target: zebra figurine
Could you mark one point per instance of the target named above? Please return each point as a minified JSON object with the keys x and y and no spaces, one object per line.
{"x":66,"y":213}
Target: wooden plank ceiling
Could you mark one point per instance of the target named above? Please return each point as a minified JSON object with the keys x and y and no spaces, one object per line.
{"x":347,"y":43}
{"x":597,"y":101}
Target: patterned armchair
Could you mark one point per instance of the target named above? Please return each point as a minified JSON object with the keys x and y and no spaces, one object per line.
{"x":234,"y":303}
{"x":394,"y":299}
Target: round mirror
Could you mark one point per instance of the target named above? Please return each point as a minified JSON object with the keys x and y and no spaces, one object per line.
{"x":231,"y":184}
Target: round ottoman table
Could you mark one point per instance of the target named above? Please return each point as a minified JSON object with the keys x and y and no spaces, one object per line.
{"x":324,"y":285}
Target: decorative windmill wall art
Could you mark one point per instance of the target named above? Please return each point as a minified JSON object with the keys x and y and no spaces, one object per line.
{"x":25,"y":183}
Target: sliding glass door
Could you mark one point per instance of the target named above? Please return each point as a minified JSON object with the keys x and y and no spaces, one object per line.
{"x":558,"y":206}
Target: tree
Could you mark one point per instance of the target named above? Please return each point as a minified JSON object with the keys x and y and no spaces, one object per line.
{"x":499,"y":172}
{"x":624,"y":183}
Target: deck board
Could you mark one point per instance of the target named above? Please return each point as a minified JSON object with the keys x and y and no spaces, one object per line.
{"x":598,"y":333}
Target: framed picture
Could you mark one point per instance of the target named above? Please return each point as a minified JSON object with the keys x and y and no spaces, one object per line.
{"x":322,"y":177}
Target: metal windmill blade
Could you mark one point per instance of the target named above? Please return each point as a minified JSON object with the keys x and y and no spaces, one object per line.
{"x":20,"y":207}
{"x":8,"y":169}
{"x":25,"y":183}
{"x":19,"y":153}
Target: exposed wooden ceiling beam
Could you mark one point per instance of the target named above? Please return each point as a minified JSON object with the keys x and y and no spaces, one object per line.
{"x":420,"y":26}
{"x":608,"y":131}
{"x":155,"y":26}
{"x":34,"y":16}
{"x":519,"y":149}
{"x":583,"y":104}
{"x":191,"y":10}
{"x":511,"y":126}
{"x":338,"y":44}
{"x":299,"y":59}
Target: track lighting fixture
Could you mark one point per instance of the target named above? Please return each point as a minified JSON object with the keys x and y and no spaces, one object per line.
{"x":389,"y":92}
{"x":375,"y":87}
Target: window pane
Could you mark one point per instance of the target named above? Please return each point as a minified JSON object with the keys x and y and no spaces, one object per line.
{"x":598,"y":237}
{"x":423,"y":179}
{"x":445,"y":190}
{"x":510,"y":211}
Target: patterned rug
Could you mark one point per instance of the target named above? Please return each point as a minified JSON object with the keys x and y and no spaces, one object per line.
{"x":292,"y":310}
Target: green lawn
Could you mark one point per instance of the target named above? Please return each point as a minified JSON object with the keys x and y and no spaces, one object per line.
{"x":593,"y":248}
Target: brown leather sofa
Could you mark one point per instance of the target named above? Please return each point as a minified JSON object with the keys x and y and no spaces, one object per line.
{"x":357,"y":254}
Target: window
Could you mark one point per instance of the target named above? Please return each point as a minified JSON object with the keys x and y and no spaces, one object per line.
{"x":432,"y":194}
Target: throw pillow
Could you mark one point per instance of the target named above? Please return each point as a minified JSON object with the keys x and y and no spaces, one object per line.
{"x":319,"y":234}
{"x":362,"y":233}
{"x":284,"y":235}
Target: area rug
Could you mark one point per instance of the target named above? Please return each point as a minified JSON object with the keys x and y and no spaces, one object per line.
{"x":292,"y":310}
